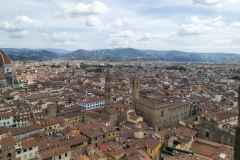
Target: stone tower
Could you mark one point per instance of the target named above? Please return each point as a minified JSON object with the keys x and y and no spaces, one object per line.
{"x":237,"y":136}
{"x":135,"y":89}
{"x":52,"y":109}
{"x":108,"y":91}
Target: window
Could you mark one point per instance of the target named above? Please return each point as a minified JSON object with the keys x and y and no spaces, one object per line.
{"x":25,"y":156}
{"x":25,"y":150}
{"x":65,"y":154}
{"x":30,"y":148}
{"x":103,"y":136}
{"x":36,"y":152}
{"x":19,"y":152}
{"x":30,"y":155}
{"x":207,"y":134}
{"x":59,"y":157}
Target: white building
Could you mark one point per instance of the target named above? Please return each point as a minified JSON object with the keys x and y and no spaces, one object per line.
{"x":6,"y":119}
{"x":89,"y":102}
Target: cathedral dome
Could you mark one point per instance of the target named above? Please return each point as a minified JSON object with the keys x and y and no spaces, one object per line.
{"x":4,"y":59}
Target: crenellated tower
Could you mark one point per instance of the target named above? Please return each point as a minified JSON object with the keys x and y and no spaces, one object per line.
{"x":237,"y":136}
{"x":108,"y":90}
{"x":135,"y":90}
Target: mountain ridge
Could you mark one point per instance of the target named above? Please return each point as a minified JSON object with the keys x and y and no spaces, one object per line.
{"x":119,"y":54}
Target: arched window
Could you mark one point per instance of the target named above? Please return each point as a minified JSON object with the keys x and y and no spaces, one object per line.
{"x":9,"y":156}
{"x":108,"y":90}
{"x":162,"y":113}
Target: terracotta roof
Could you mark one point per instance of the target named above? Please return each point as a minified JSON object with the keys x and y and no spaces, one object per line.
{"x":222,"y":115}
{"x":7,"y":141}
{"x":48,"y":144}
{"x":6,"y":114}
{"x":95,"y":129}
{"x":28,"y":143}
{"x":112,"y":111}
{"x":17,"y":131}
{"x":186,"y":132}
{"x":4,"y":59}
{"x":54,"y":152}
{"x":3,"y":130}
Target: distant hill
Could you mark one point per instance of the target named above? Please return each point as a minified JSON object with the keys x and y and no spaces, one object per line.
{"x":31,"y":55}
{"x":123,"y":54}
{"x":119,"y":54}
{"x":15,"y":49}
{"x":58,"y":51}
{"x":130,"y":54}
{"x":54,"y":50}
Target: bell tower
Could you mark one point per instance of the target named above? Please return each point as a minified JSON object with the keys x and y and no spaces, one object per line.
{"x":237,"y":135}
{"x":108,"y":90}
{"x":135,"y":90}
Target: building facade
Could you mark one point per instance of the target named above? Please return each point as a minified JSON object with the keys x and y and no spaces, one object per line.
{"x":218,"y":127}
{"x":158,"y":113}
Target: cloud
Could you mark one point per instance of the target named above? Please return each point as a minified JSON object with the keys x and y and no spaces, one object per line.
{"x":92,"y":21}
{"x":63,"y":37}
{"x":193,"y":30}
{"x":213,"y":21}
{"x":147,"y":36}
{"x":235,"y":24}
{"x":19,"y":34}
{"x":209,"y":2}
{"x":117,"y":41}
{"x":118,"y":23}
{"x":222,"y":41}
{"x":124,"y":34}
{"x":238,"y":35}
{"x":21,"y":23}
{"x":74,"y":10}
{"x":230,"y":47}
{"x":18,"y":29}
{"x":67,"y":43}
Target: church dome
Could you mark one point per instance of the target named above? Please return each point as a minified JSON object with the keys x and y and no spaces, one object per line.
{"x":4,"y":59}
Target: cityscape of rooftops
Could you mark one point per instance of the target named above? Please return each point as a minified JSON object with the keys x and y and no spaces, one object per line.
{"x":119,"y":80}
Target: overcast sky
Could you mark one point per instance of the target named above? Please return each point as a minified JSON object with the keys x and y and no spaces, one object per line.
{"x":186,"y":25}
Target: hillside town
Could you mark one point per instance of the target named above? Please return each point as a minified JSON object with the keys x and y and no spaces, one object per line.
{"x":99,"y":110}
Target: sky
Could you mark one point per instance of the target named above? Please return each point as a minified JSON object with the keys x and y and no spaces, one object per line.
{"x":187,"y":25}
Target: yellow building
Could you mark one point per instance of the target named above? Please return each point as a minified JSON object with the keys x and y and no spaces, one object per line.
{"x":48,"y":124}
{"x":26,"y":149}
{"x":75,"y":118}
{"x":153,"y":148}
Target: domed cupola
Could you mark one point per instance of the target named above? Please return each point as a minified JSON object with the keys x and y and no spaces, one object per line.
{"x":4,"y":59}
